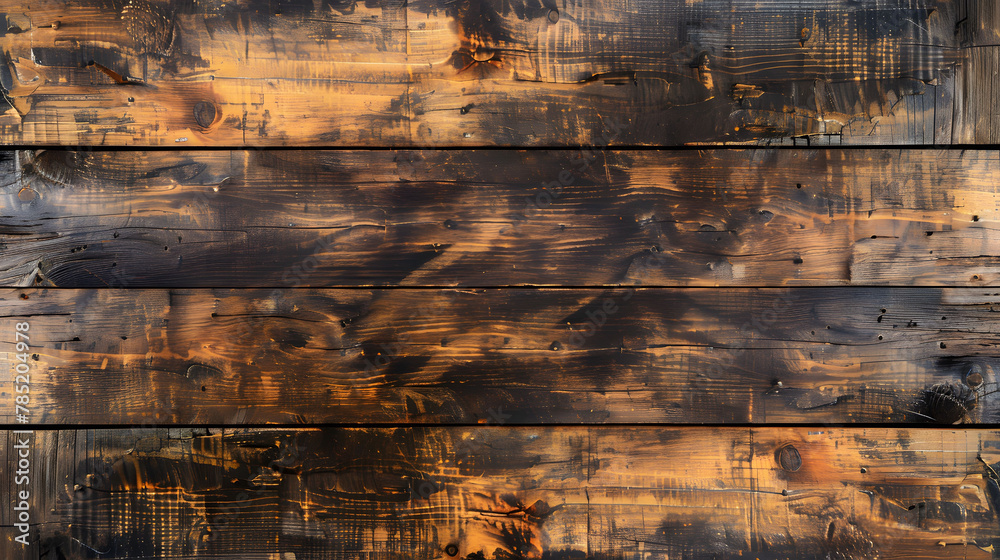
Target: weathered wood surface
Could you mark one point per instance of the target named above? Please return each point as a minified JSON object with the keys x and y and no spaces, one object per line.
{"x":506,"y":493}
{"x":496,"y":72}
{"x":420,"y":295}
{"x":844,"y":355}
{"x":979,"y":31}
{"x":499,"y":218}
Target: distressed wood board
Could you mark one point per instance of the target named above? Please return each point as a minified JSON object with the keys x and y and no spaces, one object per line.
{"x":497,"y":73}
{"x":501,"y":492}
{"x":682,"y":356}
{"x":499,"y":279}
{"x":356,"y":218}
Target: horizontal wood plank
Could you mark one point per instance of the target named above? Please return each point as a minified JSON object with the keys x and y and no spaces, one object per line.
{"x":494,"y":72}
{"x":505,"y":492}
{"x":162,"y":357}
{"x":496,"y":218}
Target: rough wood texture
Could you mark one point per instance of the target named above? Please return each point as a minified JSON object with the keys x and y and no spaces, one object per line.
{"x":978,"y":29}
{"x":496,"y":72}
{"x":513,"y":493}
{"x":513,"y":355}
{"x":498,"y":218}
{"x":831,"y":310}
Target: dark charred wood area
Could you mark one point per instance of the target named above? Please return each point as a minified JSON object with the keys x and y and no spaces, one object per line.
{"x":499,"y":279}
{"x":224,"y":356}
{"x":497,"y":72}
{"x":461,"y":218}
{"x":516,"y":492}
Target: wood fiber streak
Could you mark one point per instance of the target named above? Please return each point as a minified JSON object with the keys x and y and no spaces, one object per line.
{"x":872,"y":355}
{"x":497,"y":218}
{"x":713,"y":316}
{"x":494,"y":72}
{"x":978,"y":31}
{"x":505,"y":493}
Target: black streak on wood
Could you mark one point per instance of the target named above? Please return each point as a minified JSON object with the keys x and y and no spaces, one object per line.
{"x":495,"y":218}
{"x":538,"y":72}
{"x":505,"y":493}
{"x":508,"y":355}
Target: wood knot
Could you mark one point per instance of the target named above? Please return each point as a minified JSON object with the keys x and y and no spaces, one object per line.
{"x":553,"y":16}
{"x":483,"y":55}
{"x":974,"y":380}
{"x":948,"y":403}
{"x":976,"y":376}
{"x":788,"y":458}
{"x":205,"y":114}
{"x":201,"y":372}
{"x":150,"y":26}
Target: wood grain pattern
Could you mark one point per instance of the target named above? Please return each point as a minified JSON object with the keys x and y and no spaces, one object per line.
{"x":977,"y":30}
{"x":425,"y":351}
{"x":512,"y":493}
{"x":494,"y":72}
{"x":512,"y":355}
{"x":497,"y":218}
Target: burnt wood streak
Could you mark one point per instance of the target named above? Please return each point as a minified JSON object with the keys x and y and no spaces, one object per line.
{"x":499,"y":279}
{"x":504,"y":493}
{"x":872,"y":355}
{"x":496,"y":72}
{"x":290,"y":218}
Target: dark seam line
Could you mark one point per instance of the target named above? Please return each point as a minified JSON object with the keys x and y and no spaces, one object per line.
{"x":520,"y":287}
{"x":574,"y":147}
{"x":457,"y":425}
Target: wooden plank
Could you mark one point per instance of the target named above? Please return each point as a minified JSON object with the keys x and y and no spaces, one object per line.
{"x":845,"y":355}
{"x":489,"y":72}
{"x":502,"y":493}
{"x":497,"y":218}
{"x":977,"y":30}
